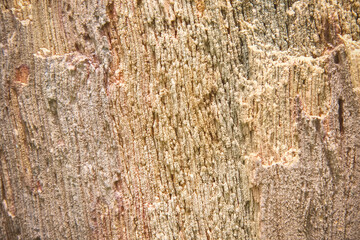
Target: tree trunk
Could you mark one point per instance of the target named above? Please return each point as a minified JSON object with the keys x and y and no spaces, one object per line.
{"x":180,"y":119}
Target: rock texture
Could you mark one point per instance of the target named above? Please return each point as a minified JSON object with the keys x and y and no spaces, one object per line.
{"x":180,"y":119}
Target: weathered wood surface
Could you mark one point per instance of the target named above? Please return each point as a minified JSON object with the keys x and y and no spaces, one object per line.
{"x":204,"y":119}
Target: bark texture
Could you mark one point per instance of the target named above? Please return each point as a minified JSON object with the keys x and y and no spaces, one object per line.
{"x":180,"y":119}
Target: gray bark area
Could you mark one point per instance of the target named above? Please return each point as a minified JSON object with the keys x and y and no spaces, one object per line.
{"x":203,"y":119}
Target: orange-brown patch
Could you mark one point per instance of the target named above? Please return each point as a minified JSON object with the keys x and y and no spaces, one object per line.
{"x":22,"y":74}
{"x":200,"y":6}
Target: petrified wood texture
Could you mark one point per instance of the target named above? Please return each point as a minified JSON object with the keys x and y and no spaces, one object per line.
{"x":179,"y":119}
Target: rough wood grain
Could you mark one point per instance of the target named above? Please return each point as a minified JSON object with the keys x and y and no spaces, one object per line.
{"x":179,"y":119}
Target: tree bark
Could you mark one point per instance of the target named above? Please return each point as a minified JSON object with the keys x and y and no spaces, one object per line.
{"x":179,"y":119}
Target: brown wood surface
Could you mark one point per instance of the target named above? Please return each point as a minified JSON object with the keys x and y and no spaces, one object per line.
{"x":179,"y":119}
